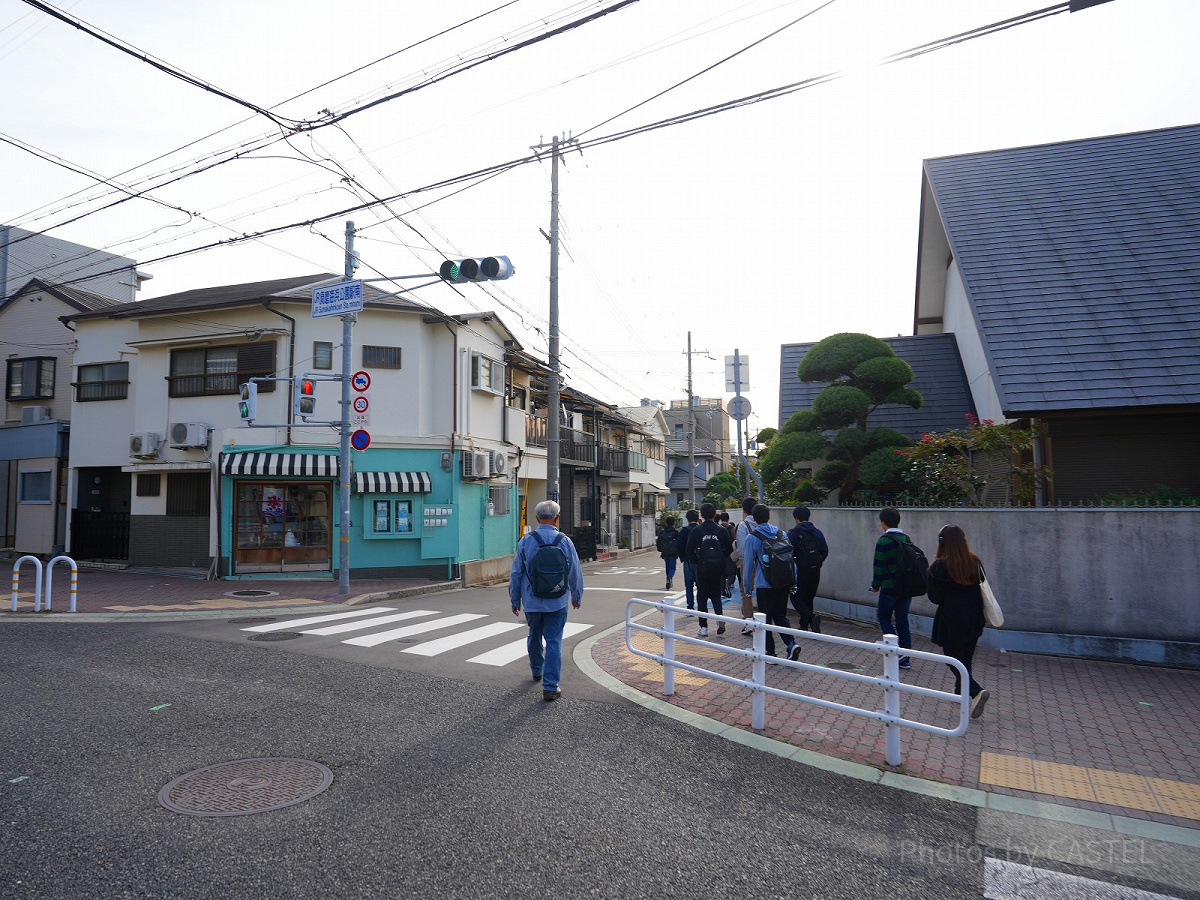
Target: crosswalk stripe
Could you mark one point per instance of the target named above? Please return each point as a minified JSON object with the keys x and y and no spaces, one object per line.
{"x":502,"y":656}
{"x":316,"y":620}
{"x":373,"y":640}
{"x":371,"y":623}
{"x":441,"y":645}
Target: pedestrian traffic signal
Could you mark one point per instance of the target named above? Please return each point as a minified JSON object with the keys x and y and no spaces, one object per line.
{"x":248,"y":404}
{"x":304,"y":398}
{"x":489,"y":268}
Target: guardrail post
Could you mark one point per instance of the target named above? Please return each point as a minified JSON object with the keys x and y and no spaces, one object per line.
{"x":891,"y":699}
{"x":16,"y":580}
{"x":74,"y":579}
{"x":758,"y":674}
{"x":669,"y":649}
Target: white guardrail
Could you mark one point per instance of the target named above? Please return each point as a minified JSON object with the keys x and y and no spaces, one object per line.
{"x":37,"y":590}
{"x":889,"y":682}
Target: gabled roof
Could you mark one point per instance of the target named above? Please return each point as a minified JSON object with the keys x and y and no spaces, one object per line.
{"x":85,"y":301}
{"x":295,"y":289}
{"x":646,"y":416}
{"x":937,"y":376}
{"x":1081,"y":263}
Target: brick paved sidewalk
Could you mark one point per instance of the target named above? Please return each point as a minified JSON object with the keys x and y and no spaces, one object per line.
{"x":1110,"y":737}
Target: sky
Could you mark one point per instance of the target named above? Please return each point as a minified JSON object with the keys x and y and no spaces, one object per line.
{"x":781,"y":221}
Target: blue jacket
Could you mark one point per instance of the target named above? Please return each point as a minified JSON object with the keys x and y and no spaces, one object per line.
{"x":752,"y":570}
{"x":520,"y":588}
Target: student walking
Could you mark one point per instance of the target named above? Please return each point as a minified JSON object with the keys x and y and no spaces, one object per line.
{"x":545,"y":574}
{"x":668,"y":547}
{"x":708,"y":548}
{"x":739,"y":558}
{"x":954,"y":578}
{"x":689,"y":567}
{"x":809,"y":550}
{"x":883,"y":582}
{"x":730,"y":565}
{"x":772,"y":600}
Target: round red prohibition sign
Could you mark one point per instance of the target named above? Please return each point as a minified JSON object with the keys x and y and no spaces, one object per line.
{"x":360,"y":381}
{"x":360,"y":404}
{"x":360,"y":440}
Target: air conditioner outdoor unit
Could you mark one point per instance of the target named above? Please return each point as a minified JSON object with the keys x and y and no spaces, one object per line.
{"x":143,"y":445}
{"x":475,"y":464}
{"x":499,"y":462}
{"x":189,"y":434}
{"x":31,"y":414}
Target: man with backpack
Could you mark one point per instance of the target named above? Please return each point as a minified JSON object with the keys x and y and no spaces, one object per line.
{"x":689,"y":567}
{"x":708,"y":548}
{"x":730,"y":565}
{"x":897,"y":578}
{"x":667,"y":544}
{"x":739,"y":558}
{"x":545,"y":572}
{"x":809,"y":550}
{"x":768,"y":565}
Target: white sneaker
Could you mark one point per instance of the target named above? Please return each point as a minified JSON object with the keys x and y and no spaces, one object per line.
{"x":703,"y":632}
{"x":747,"y":629}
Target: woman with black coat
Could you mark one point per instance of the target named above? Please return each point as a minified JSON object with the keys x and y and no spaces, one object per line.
{"x":954,"y":579}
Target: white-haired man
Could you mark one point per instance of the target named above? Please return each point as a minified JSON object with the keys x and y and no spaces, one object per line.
{"x":545,"y":573}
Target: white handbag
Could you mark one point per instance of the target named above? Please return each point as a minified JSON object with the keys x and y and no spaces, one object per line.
{"x":992,"y":614}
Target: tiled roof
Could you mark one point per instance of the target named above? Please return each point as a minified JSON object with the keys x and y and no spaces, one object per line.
{"x":72,"y":296}
{"x":937,"y":376}
{"x":1081,"y":261}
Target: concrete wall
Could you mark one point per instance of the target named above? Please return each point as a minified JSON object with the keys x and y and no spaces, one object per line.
{"x":1116,"y":577}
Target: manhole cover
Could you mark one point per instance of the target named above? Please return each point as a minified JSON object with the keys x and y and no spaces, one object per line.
{"x":276,"y":636}
{"x":252,"y":620}
{"x":245,"y":786}
{"x":248,"y":592}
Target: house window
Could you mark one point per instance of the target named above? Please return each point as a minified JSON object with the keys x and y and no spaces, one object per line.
{"x":322,"y":355}
{"x":149,"y":484}
{"x":679,"y":432}
{"x":103,"y":381}
{"x":381,"y":357}
{"x":31,"y":379}
{"x":208,"y":371}
{"x":498,"y":500}
{"x":517,"y":397}
{"x":487,"y":374}
{"x":187,"y":494}
{"x":35,"y":487}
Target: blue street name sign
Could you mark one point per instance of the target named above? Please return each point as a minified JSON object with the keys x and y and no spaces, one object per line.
{"x":337,"y":299}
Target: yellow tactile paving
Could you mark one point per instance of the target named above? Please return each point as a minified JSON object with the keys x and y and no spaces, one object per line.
{"x":1126,"y":789}
{"x":652,"y":670}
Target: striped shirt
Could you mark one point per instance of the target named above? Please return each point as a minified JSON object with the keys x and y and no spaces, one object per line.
{"x":884,"y":577}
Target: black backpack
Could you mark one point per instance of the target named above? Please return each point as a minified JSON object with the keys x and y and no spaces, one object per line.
{"x":668,"y":542}
{"x":912,"y":570}
{"x":710,"y":556}
{"x":808,"y":551}
{"x":776,"y":559}
{"x":548,"y":569}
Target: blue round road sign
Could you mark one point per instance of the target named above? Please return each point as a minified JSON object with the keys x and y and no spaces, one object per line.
{"x":360,"y":440}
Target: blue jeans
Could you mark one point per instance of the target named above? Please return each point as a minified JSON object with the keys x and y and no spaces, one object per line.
{"x":689,"y":582}
{"x":547,"y":627}
{"x":889,"y":605}
{"x":671,"y":562}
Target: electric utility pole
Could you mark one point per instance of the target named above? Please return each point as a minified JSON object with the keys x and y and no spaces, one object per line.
{"x":553,"y":399}
{"x":344,"y":450}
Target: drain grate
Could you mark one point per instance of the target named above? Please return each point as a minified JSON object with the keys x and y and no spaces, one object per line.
{"x":245,"y":786}
{"x":252,"y":592}
{"x":276,"y":636}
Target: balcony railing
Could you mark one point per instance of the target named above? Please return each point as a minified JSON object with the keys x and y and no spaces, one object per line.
{"x":535,"y":430}
{"x":573,"y":446}
{"x":637,"y":461}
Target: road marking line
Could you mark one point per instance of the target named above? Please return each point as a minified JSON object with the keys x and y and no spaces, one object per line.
{"x":502,"y":656}
{"x":315,"y":620}
{"x":371,"y":623}
{"x":441,"y":645}
{"x":1003,"y":880}
{"x":373,"y":640}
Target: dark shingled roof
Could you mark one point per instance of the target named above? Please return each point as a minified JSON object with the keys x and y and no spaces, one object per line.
{"x":937,"y":376}
{"x":82,"y":300}
{"x":1081,"y":261}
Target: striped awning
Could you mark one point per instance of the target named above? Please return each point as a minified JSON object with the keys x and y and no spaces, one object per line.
{"x":308,"y":464}
{"x":392,"y":483}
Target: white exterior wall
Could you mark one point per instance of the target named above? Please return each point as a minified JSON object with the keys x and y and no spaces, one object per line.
{"x":32,"y":319}
{"x":959,"y":321}
{"x":51,"y":259}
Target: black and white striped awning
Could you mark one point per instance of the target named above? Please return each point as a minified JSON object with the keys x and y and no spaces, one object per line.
{"x":307,"y":464}
{"x":392,"y":483}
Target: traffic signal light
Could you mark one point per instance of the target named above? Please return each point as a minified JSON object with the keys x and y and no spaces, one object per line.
{"x":490,"y":268}
{"x":304,"y":398}
{"x":248,"y":404}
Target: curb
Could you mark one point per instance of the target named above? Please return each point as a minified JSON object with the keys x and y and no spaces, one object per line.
{"x":400,"y":593}
{"x":980,"y":799}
